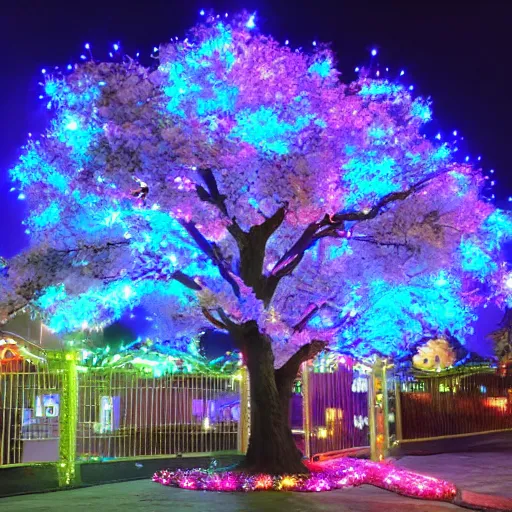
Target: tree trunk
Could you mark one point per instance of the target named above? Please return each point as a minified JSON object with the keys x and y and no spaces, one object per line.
{"x":271,"y":446}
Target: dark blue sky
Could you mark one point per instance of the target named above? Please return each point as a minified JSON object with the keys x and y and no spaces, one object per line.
{"x":457,"y":52}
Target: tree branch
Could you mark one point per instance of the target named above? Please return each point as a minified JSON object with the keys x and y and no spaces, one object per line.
{"x":252,"y":247}
{"x":333,"y":225}
{"x":213,"y":320}
{"x":290,"y":369}
{"x":213,"y":252}
{"x":225,"y":318}
{"x":311,"y":310}
{"x":211,"y":194}
{"x":251,"y":244}
{"x":185,"y":280}
{"x":93,"y":248}
{"x":372,"y":240}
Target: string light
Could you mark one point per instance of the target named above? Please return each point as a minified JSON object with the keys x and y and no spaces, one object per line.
{"x":72,"y":125}
{"x":374,"y":52}
{"x":324,"y":476}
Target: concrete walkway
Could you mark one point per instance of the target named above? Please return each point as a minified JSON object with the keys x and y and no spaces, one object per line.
{"x":144,"y":495}
{"x":483,"y":473}
{"x":484,"y":479}
{"x":488,"y":473}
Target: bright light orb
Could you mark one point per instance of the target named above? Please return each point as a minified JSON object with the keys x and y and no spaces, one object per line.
{"x":374,"y":52}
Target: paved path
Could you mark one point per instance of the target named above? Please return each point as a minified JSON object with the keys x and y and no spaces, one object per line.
{"x":489,"y":473}
{"x":144,"y":495}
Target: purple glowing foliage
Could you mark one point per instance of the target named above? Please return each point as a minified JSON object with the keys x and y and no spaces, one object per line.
{"x":147,"y":178}
{"x":324,"y":476}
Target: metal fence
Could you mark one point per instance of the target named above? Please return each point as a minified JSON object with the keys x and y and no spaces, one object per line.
{"x":29,"y":413}
{"x":123,"y":414}
{"x":453,"y":404}
{"x":119,"y":413}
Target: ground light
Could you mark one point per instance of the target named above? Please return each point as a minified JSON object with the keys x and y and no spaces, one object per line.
{"x":324,"y":476}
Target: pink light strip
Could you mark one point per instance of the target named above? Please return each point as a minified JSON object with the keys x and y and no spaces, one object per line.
{"x":324,"y":476}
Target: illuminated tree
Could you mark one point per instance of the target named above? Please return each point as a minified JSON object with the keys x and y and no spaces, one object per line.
{"x":242,"y":184}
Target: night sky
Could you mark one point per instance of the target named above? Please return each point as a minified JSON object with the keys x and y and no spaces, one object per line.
{"x":457,"y":52}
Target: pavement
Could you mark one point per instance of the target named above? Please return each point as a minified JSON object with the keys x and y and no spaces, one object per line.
{"x":485,"y":478}
{"x":147,"y":496}
{"x":488,"y":473}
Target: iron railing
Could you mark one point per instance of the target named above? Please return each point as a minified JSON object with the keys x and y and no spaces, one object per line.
{"x":453,"y":404}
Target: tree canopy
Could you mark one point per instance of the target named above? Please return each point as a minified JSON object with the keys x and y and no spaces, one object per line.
{"x":241,"y":180}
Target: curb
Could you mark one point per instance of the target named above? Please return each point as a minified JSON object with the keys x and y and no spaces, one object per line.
{"x":483,"y":502}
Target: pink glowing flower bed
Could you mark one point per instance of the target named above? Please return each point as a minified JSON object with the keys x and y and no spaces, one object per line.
{"x":324,"y":476}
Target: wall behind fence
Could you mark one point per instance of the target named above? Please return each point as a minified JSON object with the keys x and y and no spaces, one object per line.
{"x":455,"y":404}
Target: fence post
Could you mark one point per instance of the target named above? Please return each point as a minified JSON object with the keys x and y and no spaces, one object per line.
{"x":398,"y":410}
{"x":306,"y":412}
{"x":377,"y":413}
{"x":68,"y":419}
{"x":245,"y":415}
